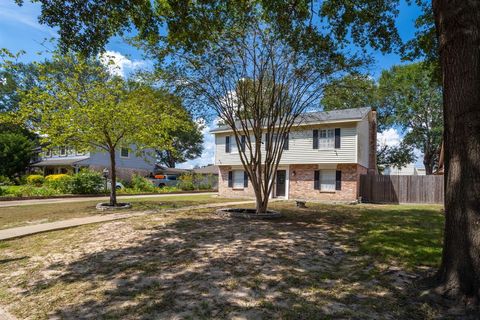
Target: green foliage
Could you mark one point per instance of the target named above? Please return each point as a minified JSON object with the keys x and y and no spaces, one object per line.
{"x":395,"y":156}
{"x":35,"y":180}
{"x":415,"y":99}
{"x":32,"y":191}
{"x":141,"y":184}
{"x":186,"y":181}
{"x":168,"y":189}
{"x":80,"y":103}
{"x":86,"y":182}
{"x":3,"y":191}
{"x":16,"y":150}
{"x":5,"y":181}
{"x":60,"y":182}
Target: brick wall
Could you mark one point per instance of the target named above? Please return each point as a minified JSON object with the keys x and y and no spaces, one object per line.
{"x":225,"y":191}
{"x":301,"y":184}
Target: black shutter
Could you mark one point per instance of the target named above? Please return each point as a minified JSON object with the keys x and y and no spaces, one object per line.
{"x":227,"y":144}
{"x":337,"y":138}
{"x":315,"y":139}
{"x":285,"y":142}
{"x":316,"y":180}
{"x":267,"y":140}
{"x":338,"y":180}
{"x":242,"y":142}
{"x":230,"y":179}
{"x":245,"y":179}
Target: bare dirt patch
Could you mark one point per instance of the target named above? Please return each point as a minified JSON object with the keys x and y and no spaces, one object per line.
{"x":193,"y":265}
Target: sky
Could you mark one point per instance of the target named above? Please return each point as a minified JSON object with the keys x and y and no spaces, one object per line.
{"x":20,"y":30}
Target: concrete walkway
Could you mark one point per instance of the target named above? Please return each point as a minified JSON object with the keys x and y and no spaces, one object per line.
{"x":15,"y":203}
{"x":4,"y":315}
{"x":64,"y":224}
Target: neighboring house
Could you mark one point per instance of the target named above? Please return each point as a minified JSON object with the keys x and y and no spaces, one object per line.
{"x":210,"y":175}
{"x":408,"y":170}
{"x":325,"y":155}
{"x":68,"y":160}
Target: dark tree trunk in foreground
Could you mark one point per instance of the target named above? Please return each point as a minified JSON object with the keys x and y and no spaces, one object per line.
{"x":113,"y":178}
{"x":458,"y":29}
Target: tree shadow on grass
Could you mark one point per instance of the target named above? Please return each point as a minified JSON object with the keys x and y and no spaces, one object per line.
{"x":202,"y":266}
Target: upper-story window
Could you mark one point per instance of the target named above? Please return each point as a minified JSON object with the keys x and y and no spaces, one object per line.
{"x":326,"y":139}
{"x":63,"y":151}
{"x":48,"y":153}
{"x":124,"y":153}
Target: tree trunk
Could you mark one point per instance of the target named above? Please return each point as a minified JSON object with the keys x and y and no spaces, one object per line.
{"x":428,"y":162}
{"x":458,"y":29}
{"x":113,"y":178}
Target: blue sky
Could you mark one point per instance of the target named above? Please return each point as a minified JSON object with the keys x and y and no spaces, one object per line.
{"x":20,"y":30}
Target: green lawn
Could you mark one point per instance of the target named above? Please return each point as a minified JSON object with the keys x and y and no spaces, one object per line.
{"x":11,"y":217}
{"x":323,"y":262}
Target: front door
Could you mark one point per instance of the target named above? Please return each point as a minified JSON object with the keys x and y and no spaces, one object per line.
{"x":281,"y":183}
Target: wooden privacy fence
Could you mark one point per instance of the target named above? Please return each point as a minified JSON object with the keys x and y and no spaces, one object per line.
{"x":401,"y":189}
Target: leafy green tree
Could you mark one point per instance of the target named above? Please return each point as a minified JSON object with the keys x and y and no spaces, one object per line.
{"x":394,"y":156}
{"x":16,"y":151}
{"x":415,"y":99}
{"x":81,"y":104}
{"x":187,"y":145}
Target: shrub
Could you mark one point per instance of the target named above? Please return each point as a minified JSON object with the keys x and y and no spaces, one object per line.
{"x":186,"y":181}
{"x":3,"y":192}
{"x":35,"y":180}
{"x":86,"y":182}
{"x":141,"y":184}
{"x":205,"y":186}
{"x":30,"y":191}
{"x":5,"y":181}
{"x":60,"y":182}
{"x":167,"y":189}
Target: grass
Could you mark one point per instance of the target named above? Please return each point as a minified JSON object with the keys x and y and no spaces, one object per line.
{"x":11,"y":217}
{"x":324,"y":262}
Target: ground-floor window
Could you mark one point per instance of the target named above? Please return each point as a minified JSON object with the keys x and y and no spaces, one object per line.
{"x":325,"y":180}
{"x":237,"y":179}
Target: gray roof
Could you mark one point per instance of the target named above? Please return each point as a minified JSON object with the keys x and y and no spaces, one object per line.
{"x":58,"y":162}
{"x":211,"y":169}
{"x":353,"y":114}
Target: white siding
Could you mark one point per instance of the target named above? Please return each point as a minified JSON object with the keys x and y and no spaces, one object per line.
{"x":301,"y":147}
{"x":363,"y":142}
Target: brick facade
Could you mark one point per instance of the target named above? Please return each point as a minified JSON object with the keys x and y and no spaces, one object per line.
{"x":301,"y":180}
{"x":225,"y":191}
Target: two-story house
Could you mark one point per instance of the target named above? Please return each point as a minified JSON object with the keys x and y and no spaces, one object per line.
{"x":68,"y":160}
{"x":323,"y":159}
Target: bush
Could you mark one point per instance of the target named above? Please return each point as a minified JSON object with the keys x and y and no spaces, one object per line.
{"x":35,"y":180}
{"x":60,"y":182}
{"x":186,"y":181}
{"x":3,"y":192}
{"x":141,"y":184}
{"x":5,"y":181}
{"x":30,"y":191}
{"x":205,"y":186}
{"x":168,"y":189}
{"x":86,"y":182}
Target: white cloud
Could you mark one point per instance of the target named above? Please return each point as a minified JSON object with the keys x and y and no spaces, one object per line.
{"x":118,"y":64}
{"x":389,"y":137}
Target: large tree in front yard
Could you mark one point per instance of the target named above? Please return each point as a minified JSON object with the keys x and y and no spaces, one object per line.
{"x":81,"y":104}
{"x":259,"y":86}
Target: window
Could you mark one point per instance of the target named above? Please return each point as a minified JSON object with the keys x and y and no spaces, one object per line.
{"x":327,"y":180}
{"x":172,"y":178}
{"x":227,"y":144}
{"x":48,"y":153}
{"x":326,"y":138}
{"x":124,"y":152}
{"x":63,"y":151}
{"x":237,"y":179}
{"x":275,"y":141}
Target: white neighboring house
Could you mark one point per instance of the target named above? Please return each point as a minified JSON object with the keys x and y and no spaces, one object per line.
{"x":68,"y":160}
{"x":324,"y":156}
{"x":408,"y":170}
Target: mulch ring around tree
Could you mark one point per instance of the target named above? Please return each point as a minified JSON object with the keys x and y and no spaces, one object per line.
{"x":105,"y":206}
{"x":244,"y":213}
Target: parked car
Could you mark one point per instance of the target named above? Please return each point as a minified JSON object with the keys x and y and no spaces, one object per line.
{"x":162,"y":180}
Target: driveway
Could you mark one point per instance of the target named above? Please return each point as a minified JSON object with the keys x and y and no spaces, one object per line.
{"x":82,"y":199}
